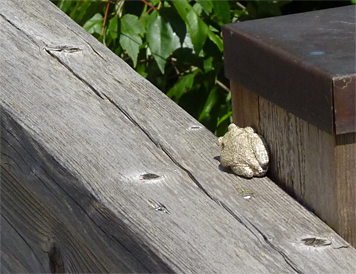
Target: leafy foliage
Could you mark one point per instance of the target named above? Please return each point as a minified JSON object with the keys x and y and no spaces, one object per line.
{"x":177,"y":45}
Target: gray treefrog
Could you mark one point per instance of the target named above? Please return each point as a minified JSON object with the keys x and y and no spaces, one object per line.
{"x":244,"y":151}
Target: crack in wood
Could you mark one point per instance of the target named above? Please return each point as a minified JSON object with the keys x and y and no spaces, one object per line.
{"x":265,"y":238}
{"x":20,"y":30}
{"x":94,"y":50}
{"x":73,"y":72}
{"x":284,"y":255}
{"x":197,"y":183}
{"x":79,"y":35}
{"x":160,"y":146}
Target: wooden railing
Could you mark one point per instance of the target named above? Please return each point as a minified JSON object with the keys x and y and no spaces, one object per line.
{"x":102,"y":173}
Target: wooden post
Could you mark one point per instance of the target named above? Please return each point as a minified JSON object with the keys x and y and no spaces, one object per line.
{"x":314,"y":166}
{"x":289,"y":88}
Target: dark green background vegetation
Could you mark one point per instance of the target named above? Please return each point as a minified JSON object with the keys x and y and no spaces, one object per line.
{"x":177,"y":45}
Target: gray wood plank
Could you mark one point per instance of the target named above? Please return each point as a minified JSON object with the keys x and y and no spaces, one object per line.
{"x":82,"y":134}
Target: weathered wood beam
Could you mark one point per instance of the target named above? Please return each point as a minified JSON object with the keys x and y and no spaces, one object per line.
{"x":102,"y":173}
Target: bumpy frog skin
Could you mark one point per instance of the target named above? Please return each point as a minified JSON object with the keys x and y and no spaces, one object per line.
{"x":244,"y":151}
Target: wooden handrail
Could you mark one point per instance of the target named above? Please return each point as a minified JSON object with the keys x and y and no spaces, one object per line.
{"x":102,"y":173}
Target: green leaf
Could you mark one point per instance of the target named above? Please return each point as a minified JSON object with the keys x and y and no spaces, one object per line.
{"x":73,"y":13}
{"x":114,"y":27}
{"x":155,"y":2}
{"x":94,"y":24}
{"x":238,"y":14}
{"x":222,"y":10}
{"x":171,"y":16}
{"x":198,"y":8}
{"x":147,"y":19}
{"x":209,"y":105}
{"x":216,"y":39}
{"x":208,"y":64}
{"x":187,"y":43}
{"x":184,"y":84}
{"x":228,"y":97}
{"x":141,"y":69}
{"x":223,"y":118}
{"x":130,"y":24}
{"x":130,"y":40}
{"x":162,"y":41}
{"x":206,"y":4}
{"x":65,"y":5}
{"x":131,"y":43}
{"x":195,"y":26}
{"x":84,"y":10}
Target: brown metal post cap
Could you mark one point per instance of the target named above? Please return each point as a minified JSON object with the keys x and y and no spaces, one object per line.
{"x":304,"y":63}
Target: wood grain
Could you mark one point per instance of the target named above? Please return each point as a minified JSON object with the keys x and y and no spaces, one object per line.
{"x":245,"y":103}
{"x":345,"y":157}
{"x":102,"y":173}
{"x":315,"y":167}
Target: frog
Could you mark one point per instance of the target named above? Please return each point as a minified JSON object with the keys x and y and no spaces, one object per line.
{"x":244,"y":151}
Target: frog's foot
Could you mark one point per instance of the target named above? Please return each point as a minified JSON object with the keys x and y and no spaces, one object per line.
{"x":242,"y":170}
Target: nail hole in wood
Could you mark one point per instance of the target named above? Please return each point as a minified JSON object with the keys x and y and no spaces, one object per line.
{"x":149,"y":176}
{"x":316,"y":242}
{"x":194,"y":127}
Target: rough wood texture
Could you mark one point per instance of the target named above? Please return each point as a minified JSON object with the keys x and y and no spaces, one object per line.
{"x":318,"y":168}
{"x":102,"y":173}
{"x":345,"y":158}
{"x":246,"y":104}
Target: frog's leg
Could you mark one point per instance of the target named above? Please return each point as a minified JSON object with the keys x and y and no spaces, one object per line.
{"x":259,"y":149}
{"x":242,"y":170}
